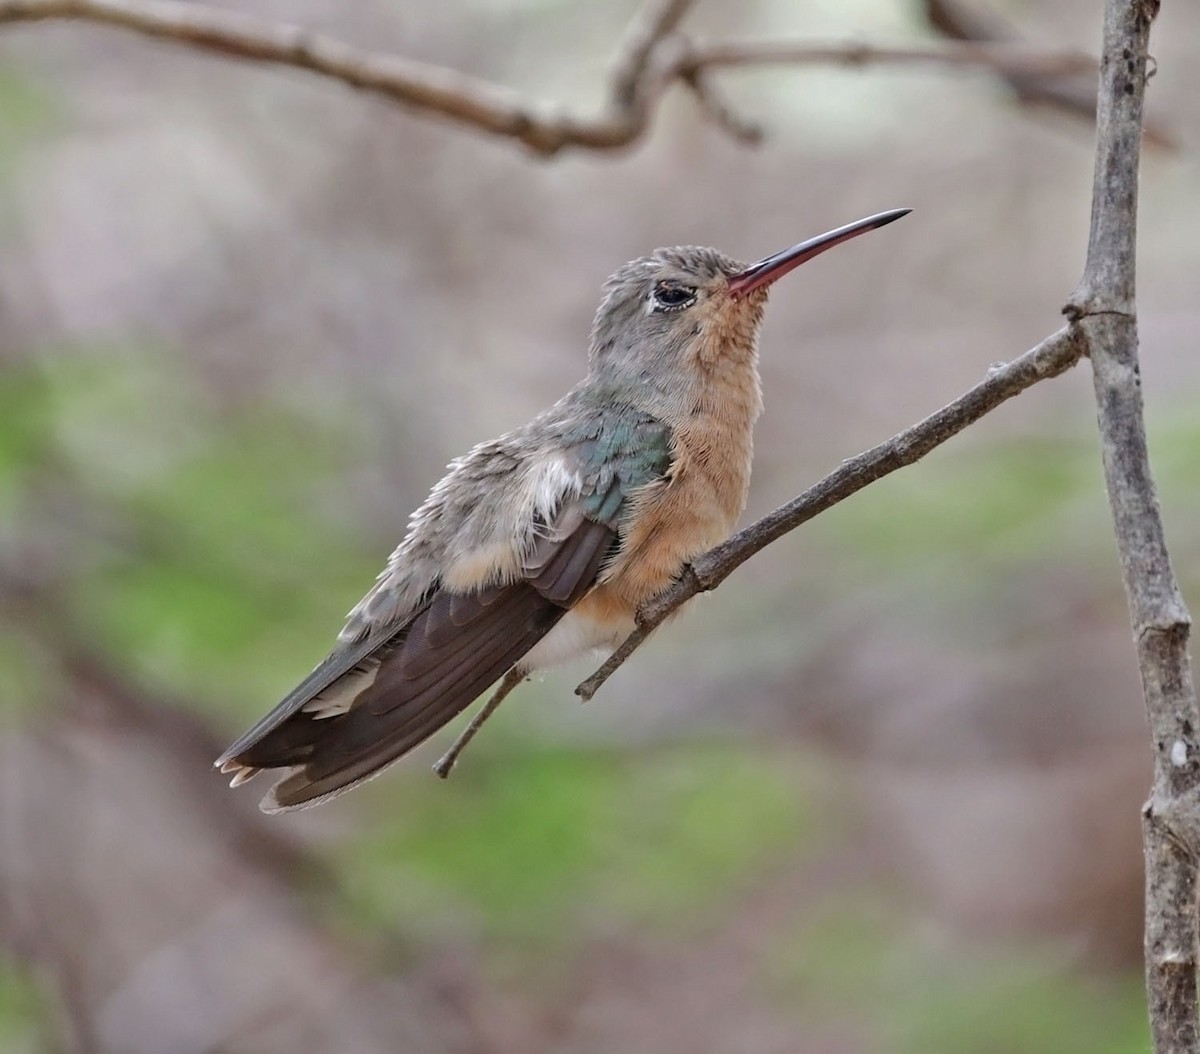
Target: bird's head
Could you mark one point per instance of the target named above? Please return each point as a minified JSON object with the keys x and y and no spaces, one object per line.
{"x":686,"y":310}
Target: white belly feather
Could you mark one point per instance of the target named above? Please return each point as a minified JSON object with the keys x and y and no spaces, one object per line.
{"x":575,"y":635}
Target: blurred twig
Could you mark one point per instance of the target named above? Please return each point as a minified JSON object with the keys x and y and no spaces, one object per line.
{"x":1048,"y":87}
{"x":656,"y":21}
{"x":1051,"y":357}
{"x":1104,"y":308}
{"x":652,"y":57}
{"x":1002,"y":57}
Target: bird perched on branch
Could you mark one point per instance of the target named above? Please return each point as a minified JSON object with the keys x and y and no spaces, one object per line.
{"x":541,"y":545}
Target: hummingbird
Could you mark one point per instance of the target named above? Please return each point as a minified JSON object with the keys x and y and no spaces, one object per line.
{"x":540,"y":546}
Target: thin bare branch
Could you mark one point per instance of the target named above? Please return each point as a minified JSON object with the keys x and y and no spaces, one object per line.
{"x":651,"y":58}
{"x":1051,"y":357}
{"x":1002,"y":57}
{"x":1103,"y":307}
{"x":447,"y":93}
{"x":719,"y":111}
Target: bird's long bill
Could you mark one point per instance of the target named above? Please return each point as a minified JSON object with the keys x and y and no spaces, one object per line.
{"x":766,"y":271}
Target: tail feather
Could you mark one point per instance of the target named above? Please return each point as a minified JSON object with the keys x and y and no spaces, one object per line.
{"x":361,"y":710}
{"x":412,"y":696}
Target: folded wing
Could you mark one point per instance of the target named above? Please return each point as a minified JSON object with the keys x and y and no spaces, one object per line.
{"x":422,"y":676}
{"x":376,"y":698}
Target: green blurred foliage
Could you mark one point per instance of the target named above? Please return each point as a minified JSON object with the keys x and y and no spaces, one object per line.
{"x":991,"y":501}
{"x":536,"y":845}
{"x":25,"y":109}
{"x":1019,"y":1005}
{"x":201,"y":537}
{"x":26,"y":419}
{"x":1008,"y":504}
{"x":24,"y":1016}
{"x":848,"y":958}
{"x":28,"y":673}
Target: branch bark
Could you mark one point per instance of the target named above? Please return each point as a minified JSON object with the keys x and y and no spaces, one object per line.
{"x":1103,"y":307}
{"x":652,"y":56}
{"x":1056,"y":354}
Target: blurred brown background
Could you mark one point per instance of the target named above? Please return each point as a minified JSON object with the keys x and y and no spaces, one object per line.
{"x":878,"y":794}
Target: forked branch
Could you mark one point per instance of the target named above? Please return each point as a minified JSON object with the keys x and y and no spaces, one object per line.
{"x":652,"y":57}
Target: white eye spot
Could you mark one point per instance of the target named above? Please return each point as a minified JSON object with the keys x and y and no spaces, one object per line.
{"x":671,"y":296}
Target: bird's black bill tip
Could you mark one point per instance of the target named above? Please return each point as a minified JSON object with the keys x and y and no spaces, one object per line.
{"x":891,"y":216}
{"x":771,"y":268}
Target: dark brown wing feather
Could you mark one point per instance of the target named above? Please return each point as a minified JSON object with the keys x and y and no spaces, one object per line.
{"x":340,"y":663}
{"x":432,"y":670}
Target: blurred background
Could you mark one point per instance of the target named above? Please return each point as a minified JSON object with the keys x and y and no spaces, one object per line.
{"x":879,"y":793}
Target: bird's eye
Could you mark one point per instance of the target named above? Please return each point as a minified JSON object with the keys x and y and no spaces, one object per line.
{"x":671,"y":296}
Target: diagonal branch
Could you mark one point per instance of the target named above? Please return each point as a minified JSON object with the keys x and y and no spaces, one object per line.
{"x":1054,"y":355}
{"x":650,"y":59}
{"x":1104,"y":309}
